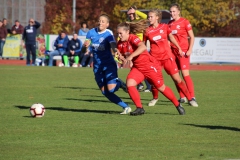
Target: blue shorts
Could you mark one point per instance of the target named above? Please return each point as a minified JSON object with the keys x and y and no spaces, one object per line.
{"x":104,"y":74}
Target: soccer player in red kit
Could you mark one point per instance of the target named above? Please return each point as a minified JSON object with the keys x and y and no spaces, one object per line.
{"x":181,"y":30}
{"x":157,"y":34}
{"x":143,"y":65}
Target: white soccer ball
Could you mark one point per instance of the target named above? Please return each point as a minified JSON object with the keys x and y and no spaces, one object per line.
{"x":37,"y":110}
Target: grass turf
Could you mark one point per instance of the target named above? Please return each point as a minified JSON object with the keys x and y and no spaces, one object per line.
{"x":80,"y":123}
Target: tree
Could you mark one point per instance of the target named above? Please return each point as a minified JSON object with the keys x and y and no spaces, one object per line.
{"x":206,"y":15}
{"x":58,"y":16}
{"x":233,"y":28}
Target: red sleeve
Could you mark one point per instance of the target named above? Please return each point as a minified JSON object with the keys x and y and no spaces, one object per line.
{"x":188,"y":26}
{"x":134,"y":40}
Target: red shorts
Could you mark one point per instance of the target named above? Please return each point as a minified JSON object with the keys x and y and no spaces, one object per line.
{"x":153,"y":75}
{"x":169,"y":66}
{"x":183,"y":63}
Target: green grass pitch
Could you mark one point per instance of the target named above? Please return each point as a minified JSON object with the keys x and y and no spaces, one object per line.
{"x":81,"y":124}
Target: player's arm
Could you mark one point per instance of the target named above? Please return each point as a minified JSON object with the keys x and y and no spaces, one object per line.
{"x":191,"y":42}
{"x":173,"y":40}
{"x":118,"y":57}
{"x":141,"y":48}
{"x":141,"y":14}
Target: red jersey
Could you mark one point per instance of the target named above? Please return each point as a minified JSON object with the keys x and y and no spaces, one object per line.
{"x":140,"y":61}
{"x":180,"y":30}
{"x":158,"y":38}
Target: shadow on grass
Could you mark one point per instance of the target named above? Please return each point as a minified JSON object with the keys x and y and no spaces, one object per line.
{"x":79,"y":88}
{"x":214,"y":127}
{"x":72,"y":110}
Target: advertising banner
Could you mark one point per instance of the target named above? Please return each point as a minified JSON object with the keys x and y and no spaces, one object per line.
{"x":12,"y":46}
{"x":216,"y":50}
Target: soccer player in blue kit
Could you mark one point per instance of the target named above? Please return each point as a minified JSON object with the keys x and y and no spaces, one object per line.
{"x":101,"y":41}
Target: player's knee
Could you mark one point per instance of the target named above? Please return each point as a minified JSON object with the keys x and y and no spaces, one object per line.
{"x":113,"y":86}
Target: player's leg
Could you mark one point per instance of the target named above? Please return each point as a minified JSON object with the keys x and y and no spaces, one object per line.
{"x":108,"y":83}
{"x":135,"y":77}
{"x":185,"y":66}
{"x":155,"y":91}
{"x":156,"y":79}
{"x":171,"y":68}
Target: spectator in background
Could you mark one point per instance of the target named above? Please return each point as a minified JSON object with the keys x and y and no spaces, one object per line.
{"x":86,"y":59}
{"x":61,"y":44}
{"x":29,"y":36}
{"x":84,"y":30}
{"x":3,"y":36}
{"x":74,"y":49}
{"x":87,"y":55}
{"x":17,"y":28}
{"x":6,"y":25}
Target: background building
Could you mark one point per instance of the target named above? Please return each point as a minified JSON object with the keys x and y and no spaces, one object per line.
{"x":22,"y":10}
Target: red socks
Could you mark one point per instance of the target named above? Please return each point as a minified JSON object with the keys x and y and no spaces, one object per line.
{"x":168,"y":93}
{"x":190,"y":86}
{"x":155,"y":92}
{"x":183,"y":90}
{"x":134,"y":94}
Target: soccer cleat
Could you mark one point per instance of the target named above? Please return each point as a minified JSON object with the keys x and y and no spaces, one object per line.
{"x":126,"y":110}
{"x":183,"y":100}
{"x":180,"y":109}
{"x":193,"y":102}
{"x":147,"y":90}
{"x":123,"y":85}
{"x":140,"y":87}
{"x":138,"y":111}
{"x":152,"y":102}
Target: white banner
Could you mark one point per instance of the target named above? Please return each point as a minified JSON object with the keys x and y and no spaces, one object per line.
{"x":50,"y":39}
{"x":216,"y":50}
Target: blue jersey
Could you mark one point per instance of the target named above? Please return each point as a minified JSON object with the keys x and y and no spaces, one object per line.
{"x":100,"y":47}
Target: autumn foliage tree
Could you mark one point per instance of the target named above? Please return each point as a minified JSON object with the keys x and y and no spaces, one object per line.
{"x":58,"y":16}
{"x":208,"y":17}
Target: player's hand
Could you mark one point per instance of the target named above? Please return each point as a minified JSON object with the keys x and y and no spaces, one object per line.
{"x":131,"y":11}
{"x":32,"y":20}
{"x":128,"y":61}
{"x":181,"y":53}
{"x":189,"y":52}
